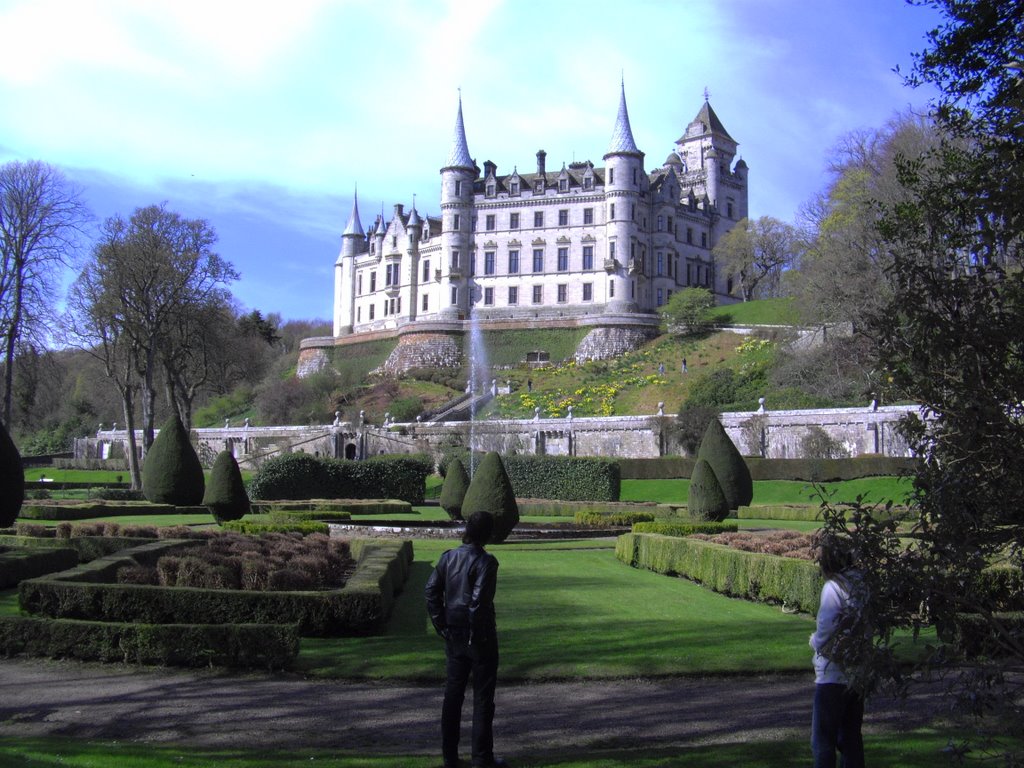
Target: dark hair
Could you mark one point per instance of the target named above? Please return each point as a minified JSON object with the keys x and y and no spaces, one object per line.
{"x":478,"y":528}
{"x":834,"y":554}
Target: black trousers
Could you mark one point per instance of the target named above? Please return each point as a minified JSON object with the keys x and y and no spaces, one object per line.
{"x":480,"y":661}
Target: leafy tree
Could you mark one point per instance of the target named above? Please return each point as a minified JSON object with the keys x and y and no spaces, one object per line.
{"x":951,"y":339}
{"x":707,"y":499}
{"x":719,"y":451}
{"x":688,"y":311}
{"x":225,"y":494}
{"x":690,"y":426}
{"x":755,"y":253}
{"x":490,"y":490}
{"x":456,"y":483}
{"x":172,"y":473}
{"x":12,"y":480}
{"x":41,"y":219}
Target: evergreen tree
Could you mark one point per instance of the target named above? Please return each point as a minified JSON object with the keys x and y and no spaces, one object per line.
{"x":225,"y":495}
{"x":729,"y":467}
{"x":707,"y":499}
{"x":12,"y":479}
{"x":172,"y":473}
{"x":456,"y":483}
{"x":491,"y":491}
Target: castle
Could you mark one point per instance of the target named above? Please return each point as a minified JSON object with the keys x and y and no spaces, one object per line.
{"x":581,"y":245}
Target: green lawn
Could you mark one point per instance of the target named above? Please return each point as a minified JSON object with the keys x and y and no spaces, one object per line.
{"x":922,"y":748}
{"x":574,"y":611}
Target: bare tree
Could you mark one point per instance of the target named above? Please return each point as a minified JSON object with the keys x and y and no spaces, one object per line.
{"x":156,"y":273}
{"x":755,"y":253}
{"x":41,"y":218}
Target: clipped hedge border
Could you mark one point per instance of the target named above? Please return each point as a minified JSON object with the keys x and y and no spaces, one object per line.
{"x":301,"y":476}
{"x":37,"y":511}
{"x":805,"y":512}
{"x":612,"y":518}
{"x":351,"y":506}
{"x":257,"y":527}
{"x":974,"y":634}
{"x":557,"y":508}
{"x":16,"y":565}
{"x":362,"y":606}
{"x":808,"y":470}
{"x":269,"y":646}
{"x":769,"y":578}
{"x":88,"y":547}
{"x":666,"y":528}
{"x":569,"y":478}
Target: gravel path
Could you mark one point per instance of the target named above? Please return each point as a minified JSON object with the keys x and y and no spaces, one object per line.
{"x":216,"y":709}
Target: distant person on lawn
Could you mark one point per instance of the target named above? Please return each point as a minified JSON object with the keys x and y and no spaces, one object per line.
{"x":838,"y":708}
{"x":460,"y":603}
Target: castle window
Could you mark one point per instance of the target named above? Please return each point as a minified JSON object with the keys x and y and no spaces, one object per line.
{"x":728,"y":207}
{"x":563,"y":293}
{"x":472,"y":263}
{"x":455,"y":295}
{"x":513,"y":221}
{"x":611,"y":250}
{"x":359,"y":314}
{"x":538,"y":218}
{"x":634,"y":177}
{"x":563,"y":259}
{"x":588,"y":257}
{"x":611,"y":289}
{"x":426,"y":302}
{"x":611,"y":175}
{"x":373,"y":282}
{"x":689,"y":235}
{"x":588,"y":215}
{"x":513,"y":262}
{"x":661,"y":223}
{"x":689,"y":273}
{"x":660,"y":297}
{"x":632,"y":289}
{"x":394,"y":241}
{"x":488,"y":262}
{"x":632,"y":211}
{"x":371,"y":311}
{"x":563,"y":217}
{"x":540,"y":186}
{"x":490,"y":222}
{"x":563,"y":185}
{"x":513,"y":295}
{"x":588,"y":182}
{"x":456,"y":222}
{"x":661,"y":264}
{"x":489,"y":296}
{"x":538,"y":259}
{"x":514,"y":188}
{"x":426,"y":270}
{"x":359,"y":284}
{"x":455,"y":260}
{"x":588,"y":291}
{"x":538,"y":294}
{"x":671,"y":225}
{"x":458,"y":188}
{"x":703,"y":239}
{"x":611,"y":211}
{"x":490,"y":190}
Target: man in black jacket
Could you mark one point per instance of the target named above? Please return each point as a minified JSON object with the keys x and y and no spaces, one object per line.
{"x":460,"y":602}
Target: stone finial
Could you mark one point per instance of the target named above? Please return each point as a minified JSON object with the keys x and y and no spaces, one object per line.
{"x":247,"y":422}
{"x":760,"y":405}
{"x":661,"y":409}
{"x":536,"y":413}
{"x":874,"y":404}
{"x":337,"y":418}
{"x":362,"y":418}
{"x":99,"y":428}
{"x":227,"y":423}
{"x":113,"y":427}
{"x":570,"y":413}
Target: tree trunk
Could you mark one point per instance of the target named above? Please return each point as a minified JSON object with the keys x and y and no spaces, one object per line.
{"x":12,"y":341}
{"x":148,"y":403}
{"x":129,"y":422}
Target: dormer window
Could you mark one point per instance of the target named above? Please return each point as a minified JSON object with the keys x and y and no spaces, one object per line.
{"x":490,"y":189}
{"x":563,"y":185}
{"x":514,"y":188}
{"x":588,"y":182}
{"x":540,"y":187}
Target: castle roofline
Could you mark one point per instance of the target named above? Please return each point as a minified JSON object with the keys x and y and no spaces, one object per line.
{"x":622,"y":135}
{"x":707,"y":118}
{"x":459,"y":157}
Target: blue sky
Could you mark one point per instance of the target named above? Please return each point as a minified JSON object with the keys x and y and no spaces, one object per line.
{"x":262,"y":117}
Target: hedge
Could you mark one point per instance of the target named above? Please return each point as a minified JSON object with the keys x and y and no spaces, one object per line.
{"x":362,"y":606}
{"x":88,"y":547}
{"x":282,"y":526}
{"x":1002,"y":588}
{"x":569,"y":478}
{"x":301,"y":476}
{"x":270,"y":646}
{"x":352,"y":506}
{"x":807,"y":512}
{"x":807,"y":470}
{"x":974,"y":635}
{"x":769,"y":578}
{"x":19,"y":564}
{"x":666,"y":528}
{"x":37,"y":511}
{"x":557,"y":508}
{"x":612,"y":518}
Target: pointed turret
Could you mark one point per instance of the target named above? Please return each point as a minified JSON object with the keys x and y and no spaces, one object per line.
{"x":354,"y":226}
{"x":622,"y":135}
{"x":459,"y":156}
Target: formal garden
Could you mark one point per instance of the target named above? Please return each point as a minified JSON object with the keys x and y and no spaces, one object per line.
{"x":645,"y":569}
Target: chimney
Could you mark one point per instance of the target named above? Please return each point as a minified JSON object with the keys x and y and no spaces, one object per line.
{"x":399,"y":207}
{"x":541,"y":154}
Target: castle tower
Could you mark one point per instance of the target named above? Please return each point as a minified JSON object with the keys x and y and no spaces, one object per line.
{"x":624,"y":176}
{"x":457,"y":179}
{"x":352,"y":242}
{"x":414,"y":228}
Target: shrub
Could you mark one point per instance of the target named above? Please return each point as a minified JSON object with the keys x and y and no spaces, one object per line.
{"x":172,"y":473}
{"x":568,"y":478}
{"x":456,"y":483}
{"x":707,"y":500}
{"x":727,"y":464}
{"x":301,"y":476}
{"x":589,"y":517}
{"x":490,"y":491}
{"x":690,"y":426}
{"x":225,"y":495}
{"x":816,"y":443}
{"x":12,"y":479}
{"x":666,"y":528}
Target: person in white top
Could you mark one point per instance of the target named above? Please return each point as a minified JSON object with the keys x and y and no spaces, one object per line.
{"x":838,"y":708}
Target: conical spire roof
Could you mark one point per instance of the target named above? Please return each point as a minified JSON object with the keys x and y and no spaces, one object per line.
{"x":622,"y":135}
{"x":709,"y":122}
{"x":354,"y":226}
{"x":459,"y":157}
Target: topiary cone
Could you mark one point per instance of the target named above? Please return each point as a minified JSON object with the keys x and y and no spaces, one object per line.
{"x":491,"y":491}
{"x":225,"y":493}
{"x":172,"y":473}
{"x":12,"y":480}
{"x":707,"y":500}
{"x":730,"y":469}
{"x":456,"y":483}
